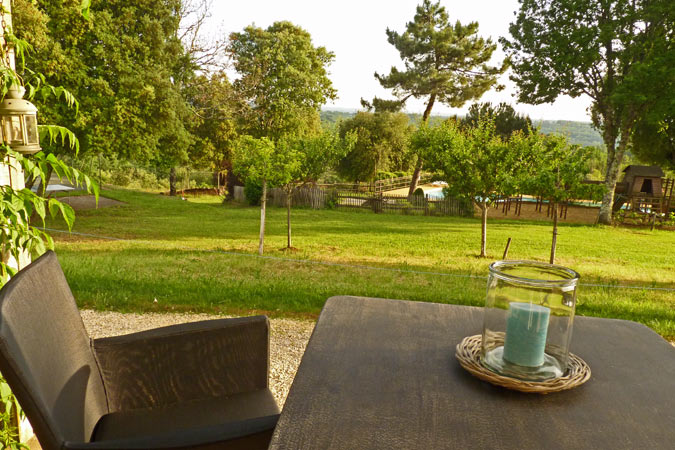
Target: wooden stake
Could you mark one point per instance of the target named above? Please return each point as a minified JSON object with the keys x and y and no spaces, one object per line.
{"x":506,"y":250}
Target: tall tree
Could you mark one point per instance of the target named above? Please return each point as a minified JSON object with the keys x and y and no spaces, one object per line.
{"x":283,"y":81}
{"x":506,"y":119}
{"x":122,"y":64}
{"x":381,"y":144}
{"x":654,"y":133}
{"x":605,"y":49}
{"x":215,"y":106}
{"x":443,"y":62}
{"x":476,"y":163}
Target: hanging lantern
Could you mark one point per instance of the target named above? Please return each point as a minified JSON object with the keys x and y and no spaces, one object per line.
{"x":18,"y":122}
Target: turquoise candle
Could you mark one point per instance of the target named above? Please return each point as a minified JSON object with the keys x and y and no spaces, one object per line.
{"x":526,"y":328}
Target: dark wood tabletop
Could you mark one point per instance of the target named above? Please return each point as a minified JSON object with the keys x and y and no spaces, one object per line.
{"x":382,"y":374}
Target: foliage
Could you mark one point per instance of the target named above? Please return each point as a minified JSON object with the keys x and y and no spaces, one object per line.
{"x":313,"y":155}
{"x":443,"y":62}
{"x":317,"y":154}
{"x":253,"y":192}
{"x":214,"y":125}
{"x":613,"y":51}
{"x":383,"y":175}
{"x":580,"y":133}
{"x":476,"y":163}
{"x":561,"y":170}
{"x":260,"y":160}
{"x":654,"y":142}
{"x":506,"y":119}
{"x":381,"y":144}
{"x":264,"y":162}
{"x":127,"y":83}
{"x":21,"y":208}
{"x":10,"y":411}
{"x":283,"y":80}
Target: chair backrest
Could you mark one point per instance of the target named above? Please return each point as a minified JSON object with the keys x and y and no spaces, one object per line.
{"x":46,"y":356}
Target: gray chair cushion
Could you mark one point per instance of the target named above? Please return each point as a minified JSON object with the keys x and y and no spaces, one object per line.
{"x":187,"y":416}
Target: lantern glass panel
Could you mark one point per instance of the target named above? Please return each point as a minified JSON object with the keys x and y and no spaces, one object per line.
{"x":11,"y":130}
{"x":31,"y":130}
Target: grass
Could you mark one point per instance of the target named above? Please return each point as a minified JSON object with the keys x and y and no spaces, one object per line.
{"x":200,"y":256}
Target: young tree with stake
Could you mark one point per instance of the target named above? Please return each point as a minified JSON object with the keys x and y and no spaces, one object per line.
{"x":476,"y":163}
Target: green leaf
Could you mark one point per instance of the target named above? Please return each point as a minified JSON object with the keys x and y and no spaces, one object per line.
{"x":84,"y":8}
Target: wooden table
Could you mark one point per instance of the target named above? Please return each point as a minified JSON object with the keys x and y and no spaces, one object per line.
{"x":381,"y":374}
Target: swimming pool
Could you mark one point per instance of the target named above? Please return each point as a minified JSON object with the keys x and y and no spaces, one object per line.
{"x":435,"y":193}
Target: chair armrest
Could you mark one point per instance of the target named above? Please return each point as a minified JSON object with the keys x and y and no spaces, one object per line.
{"x":184,"y":362}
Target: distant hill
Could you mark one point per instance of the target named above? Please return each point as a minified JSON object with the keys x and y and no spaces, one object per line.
{"x":581,"y":133}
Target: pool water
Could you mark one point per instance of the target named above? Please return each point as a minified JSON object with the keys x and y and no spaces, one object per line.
{"x":435,"y":193}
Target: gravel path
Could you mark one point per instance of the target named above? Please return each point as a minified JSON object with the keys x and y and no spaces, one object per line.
{"x":287,"y":343}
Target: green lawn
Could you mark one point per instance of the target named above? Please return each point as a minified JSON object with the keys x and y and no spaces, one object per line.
{"x":199,"y":256}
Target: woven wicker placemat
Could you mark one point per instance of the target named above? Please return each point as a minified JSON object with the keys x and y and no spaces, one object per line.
{"x":468,"y":355}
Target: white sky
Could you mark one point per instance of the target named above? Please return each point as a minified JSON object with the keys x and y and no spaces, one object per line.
{"x":355,"y":32}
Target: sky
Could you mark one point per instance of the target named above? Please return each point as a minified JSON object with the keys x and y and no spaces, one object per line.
{"x":355,"y":31}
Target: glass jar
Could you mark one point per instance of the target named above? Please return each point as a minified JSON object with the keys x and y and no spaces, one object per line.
{"x":529,"y":313}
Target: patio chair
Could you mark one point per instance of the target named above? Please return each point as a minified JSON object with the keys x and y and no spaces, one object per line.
{"x":197,"y":385}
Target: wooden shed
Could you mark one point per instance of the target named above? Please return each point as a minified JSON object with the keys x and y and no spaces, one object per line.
{"x":643,"y":180}
{"x":645,"y":189}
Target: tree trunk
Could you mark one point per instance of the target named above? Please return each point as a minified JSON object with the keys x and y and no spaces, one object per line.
{"x":418,"y":167}
{"x":416,"y":177}
{"x":555,"y":232}
{"x":614,"y":159}
{"x":483,"y":235}
{"x":289,"y":198}
{"x":263,"y":205}
{"x":172,"y":181}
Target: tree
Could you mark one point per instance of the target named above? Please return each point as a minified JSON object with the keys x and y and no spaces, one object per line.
{"x":206,"y":51}
{"x":443,"y":62}
{"x":609,"y":50}
{"x":259,"y":160}
{"x":381,"y":144}
{"x":561,"y":170}
{"x":125,"y":64}
{"x":506,"y":119}
{"x":476,"y":163}
{"x":282,"y":83}
{"x":214,"y":126}
{"x":314,"y":156}
{"x":654,"y":141}
{"x":283,"y":80}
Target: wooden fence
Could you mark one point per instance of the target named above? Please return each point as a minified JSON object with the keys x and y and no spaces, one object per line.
{"x":317,"y":198}
{"x":401,"y":204}
{"x":388,"y":184}
{"x":308,"y":197}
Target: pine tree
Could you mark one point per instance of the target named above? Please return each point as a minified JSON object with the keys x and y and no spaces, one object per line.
{"x":443,"y":62}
